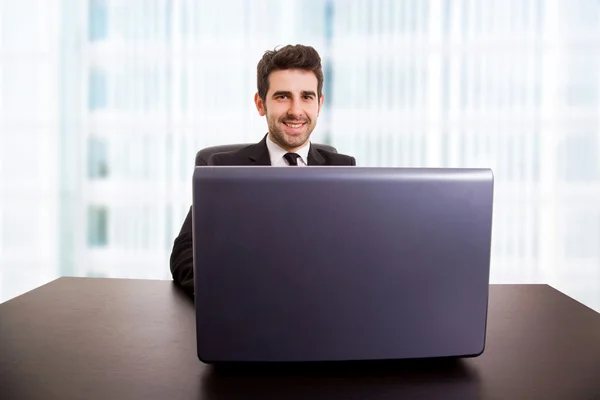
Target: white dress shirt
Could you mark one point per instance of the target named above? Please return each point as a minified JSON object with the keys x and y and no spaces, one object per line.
{"x":276,"y":154}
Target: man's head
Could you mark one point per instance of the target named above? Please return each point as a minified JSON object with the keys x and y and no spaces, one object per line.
{"x":290,"y":84}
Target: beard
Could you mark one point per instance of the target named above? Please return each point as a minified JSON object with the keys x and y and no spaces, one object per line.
{"x":285,"y":139}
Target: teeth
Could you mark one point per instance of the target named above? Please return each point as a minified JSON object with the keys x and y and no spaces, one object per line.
{"x":293,"y":125}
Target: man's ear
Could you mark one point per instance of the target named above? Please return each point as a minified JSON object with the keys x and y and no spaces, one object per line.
{"x":321,"y":101}
{"x":260,"y":105}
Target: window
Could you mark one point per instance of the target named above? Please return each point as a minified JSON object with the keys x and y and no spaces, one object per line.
{"x":98,"y":93}
{"x":580,"y":15}
{"x":577,"y":159}
{"x":581,"y":233}
{"x":581,"y":80}
{"x":97,"y":226}
{"x":98,"y":20}
{"x":97,"y":158}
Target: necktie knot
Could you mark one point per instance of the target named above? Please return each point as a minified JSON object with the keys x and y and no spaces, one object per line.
{"x":292,"y":158}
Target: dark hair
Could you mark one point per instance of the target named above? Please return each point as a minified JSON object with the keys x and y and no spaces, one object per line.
{"x":288,"y":57}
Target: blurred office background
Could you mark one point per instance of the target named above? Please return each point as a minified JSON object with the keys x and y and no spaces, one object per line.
{"x":104,"y":103}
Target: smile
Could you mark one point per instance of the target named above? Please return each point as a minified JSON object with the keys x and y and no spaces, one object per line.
{"x":294,"y":126}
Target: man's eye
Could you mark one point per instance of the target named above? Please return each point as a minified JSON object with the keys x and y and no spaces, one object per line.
{"x":308,"y":97}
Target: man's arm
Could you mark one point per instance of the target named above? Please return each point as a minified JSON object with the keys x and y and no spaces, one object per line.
{"x":182,"y":255}
{"x":182,"y":258}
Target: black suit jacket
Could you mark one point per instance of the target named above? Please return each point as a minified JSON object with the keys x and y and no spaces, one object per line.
{"x":182,"y":262}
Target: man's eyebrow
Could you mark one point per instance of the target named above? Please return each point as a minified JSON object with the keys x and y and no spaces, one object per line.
{"x":289,"y":94}
{"x":282,"y":93}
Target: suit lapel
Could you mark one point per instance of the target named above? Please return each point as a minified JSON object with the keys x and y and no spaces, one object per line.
{"x":314,"y":157}
{"x":259,"y":154}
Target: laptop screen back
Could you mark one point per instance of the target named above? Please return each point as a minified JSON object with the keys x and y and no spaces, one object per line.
{"x":341,"y":263}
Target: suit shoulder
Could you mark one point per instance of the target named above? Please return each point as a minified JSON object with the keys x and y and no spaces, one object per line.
{"x":235,"y":157}
{"x":336,"y":158}
{"x":221,"y":158}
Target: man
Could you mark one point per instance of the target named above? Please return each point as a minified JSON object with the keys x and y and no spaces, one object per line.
{"x":290,"y":83}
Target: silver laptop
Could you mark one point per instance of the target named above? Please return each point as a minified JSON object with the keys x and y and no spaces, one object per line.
{"x":340,"y":263}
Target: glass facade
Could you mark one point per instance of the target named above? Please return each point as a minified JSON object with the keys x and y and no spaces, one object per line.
{"x":99,"y":161}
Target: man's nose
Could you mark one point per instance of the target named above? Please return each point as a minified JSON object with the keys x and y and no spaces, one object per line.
{"x":295,"y":109}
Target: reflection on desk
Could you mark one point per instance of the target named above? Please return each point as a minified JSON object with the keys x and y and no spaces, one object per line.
{"x":447,"y":379}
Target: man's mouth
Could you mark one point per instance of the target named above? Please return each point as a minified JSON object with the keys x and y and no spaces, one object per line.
{"x":294,"y":125}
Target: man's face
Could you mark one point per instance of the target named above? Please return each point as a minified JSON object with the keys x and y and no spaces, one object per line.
{"x":291,"y":107}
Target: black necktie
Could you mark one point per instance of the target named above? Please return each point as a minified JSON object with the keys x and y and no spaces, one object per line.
{"x":292,"y":158}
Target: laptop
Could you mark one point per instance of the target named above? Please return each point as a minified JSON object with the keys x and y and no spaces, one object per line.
{"x":341,"y":263}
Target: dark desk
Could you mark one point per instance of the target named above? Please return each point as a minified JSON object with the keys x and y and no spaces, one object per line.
{"x":78,"y":338}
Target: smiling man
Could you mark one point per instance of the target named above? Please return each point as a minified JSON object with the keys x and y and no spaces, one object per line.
{"x":290,"y":96}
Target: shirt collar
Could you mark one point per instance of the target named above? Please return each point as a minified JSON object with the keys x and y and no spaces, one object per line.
{"x":276,"y":152}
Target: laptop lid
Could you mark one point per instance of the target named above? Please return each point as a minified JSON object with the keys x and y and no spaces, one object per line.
{"x":340,"y":263}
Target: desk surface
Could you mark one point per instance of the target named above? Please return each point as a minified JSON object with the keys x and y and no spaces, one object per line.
{"x":135,"y":339}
